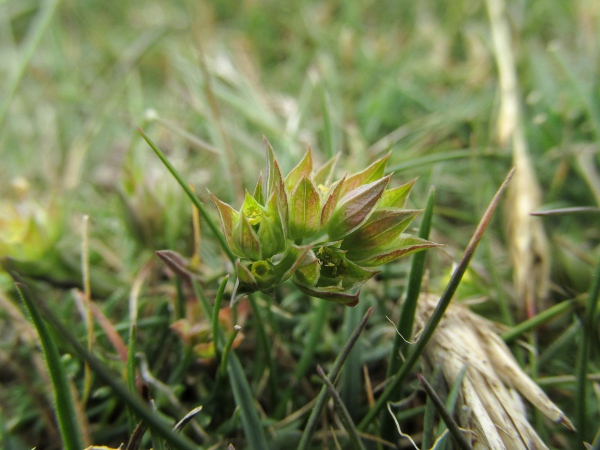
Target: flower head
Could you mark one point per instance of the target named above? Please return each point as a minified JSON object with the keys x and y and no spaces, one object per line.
{"x":327,"y":236}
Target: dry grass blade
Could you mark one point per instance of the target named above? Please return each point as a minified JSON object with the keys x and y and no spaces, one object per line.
{"x":492,"y":408}
{"x":528,"y":243}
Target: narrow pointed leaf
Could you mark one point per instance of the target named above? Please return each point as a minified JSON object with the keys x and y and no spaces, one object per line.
{"x":246,"y":239}
{"x":271,"y":233}
{"x":304,"y":210}
{"x":331,"y":294}
{"x":303,"y":169}
{"x":274,"y":177}
{"x":229,"y":218}
{"x":354,"y":208}
{"x":63,"y":399}
{"x":396,"y":197}
{"x":382,"y":227}
{"x":404,"y":246}
{"x":372,"y":173}
{"x":324,"y":174}
{"x":331,"y":202}
{"x":258,"y":191}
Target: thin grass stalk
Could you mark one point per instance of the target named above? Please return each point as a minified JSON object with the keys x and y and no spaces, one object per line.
{"x":342,"y":411}
{"x":537,"y":320}
{"x":193,"y":197}
{"x":437,"y":314}
{"x":332,"y":375}
{"x":413,"y":289}
{"x":227,"y":349}
{"x":130,"y":370}
{"x":453,"y":427}
{"x":451,"y":401}
{"x":407,"y":312}
{"x":266,"y":343}
{"x":430,"y":408}
{"x":452,"y":155}
{"x":121,"y":391}
{"x":217,"y":338}
{"x":589,"y":330}
{"x":157,"y":443}
{"x":63,"y":400}
{"x":30,"y":44}
{"x":559,"y":343}
{"x":87,"y":292}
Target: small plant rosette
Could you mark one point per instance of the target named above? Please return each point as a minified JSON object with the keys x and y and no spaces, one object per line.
{"x":327,"y":237}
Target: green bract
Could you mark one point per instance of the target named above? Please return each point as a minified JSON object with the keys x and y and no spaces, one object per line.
{"x":326,"y":236}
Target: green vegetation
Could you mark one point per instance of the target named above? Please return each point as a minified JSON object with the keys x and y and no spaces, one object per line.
{"x":117,"y":267}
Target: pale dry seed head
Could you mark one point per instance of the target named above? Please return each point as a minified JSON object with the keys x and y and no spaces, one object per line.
{"x":490,"y":405}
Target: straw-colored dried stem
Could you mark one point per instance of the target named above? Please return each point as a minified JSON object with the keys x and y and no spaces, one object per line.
{"x":528,"y":243}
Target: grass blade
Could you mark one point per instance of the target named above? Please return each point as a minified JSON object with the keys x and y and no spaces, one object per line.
{"x":242,"y":394}
{"x":192,"y":196}
{"x":413,"y":289}
{"x":154,"y":421}
{"x":409,"y":306}
{"x":589,"y":330}
{"x":63,"y":400}
{"x":535,"y":321}
{"x":445,"y":415}
{"x":332,"y":375}
{"x":437,"y":314}
{"x":342,"y":411}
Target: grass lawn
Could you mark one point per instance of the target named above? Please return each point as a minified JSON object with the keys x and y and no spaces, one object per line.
{"x":138,"y":308}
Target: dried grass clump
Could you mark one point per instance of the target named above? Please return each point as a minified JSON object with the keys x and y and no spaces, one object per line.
{"x":491,"y":408}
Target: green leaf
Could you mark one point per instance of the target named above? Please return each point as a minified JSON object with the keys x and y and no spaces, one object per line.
{"x":274,"y":178}
{"x":63,"y":400}
{"x":355,"y":208}
{"x":403,"y":246}
{"x":331,"y":202}
{"x":304,"y":210}
{"x":271,"y":233}
{"x":229,"y":219}
{"x":258,"y":191}
{"x":382,"y":227}
{"x":303,"y":169}
{"x":396,"y":197}
{"x":372,"y":173}
{"x":246,"y":239}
